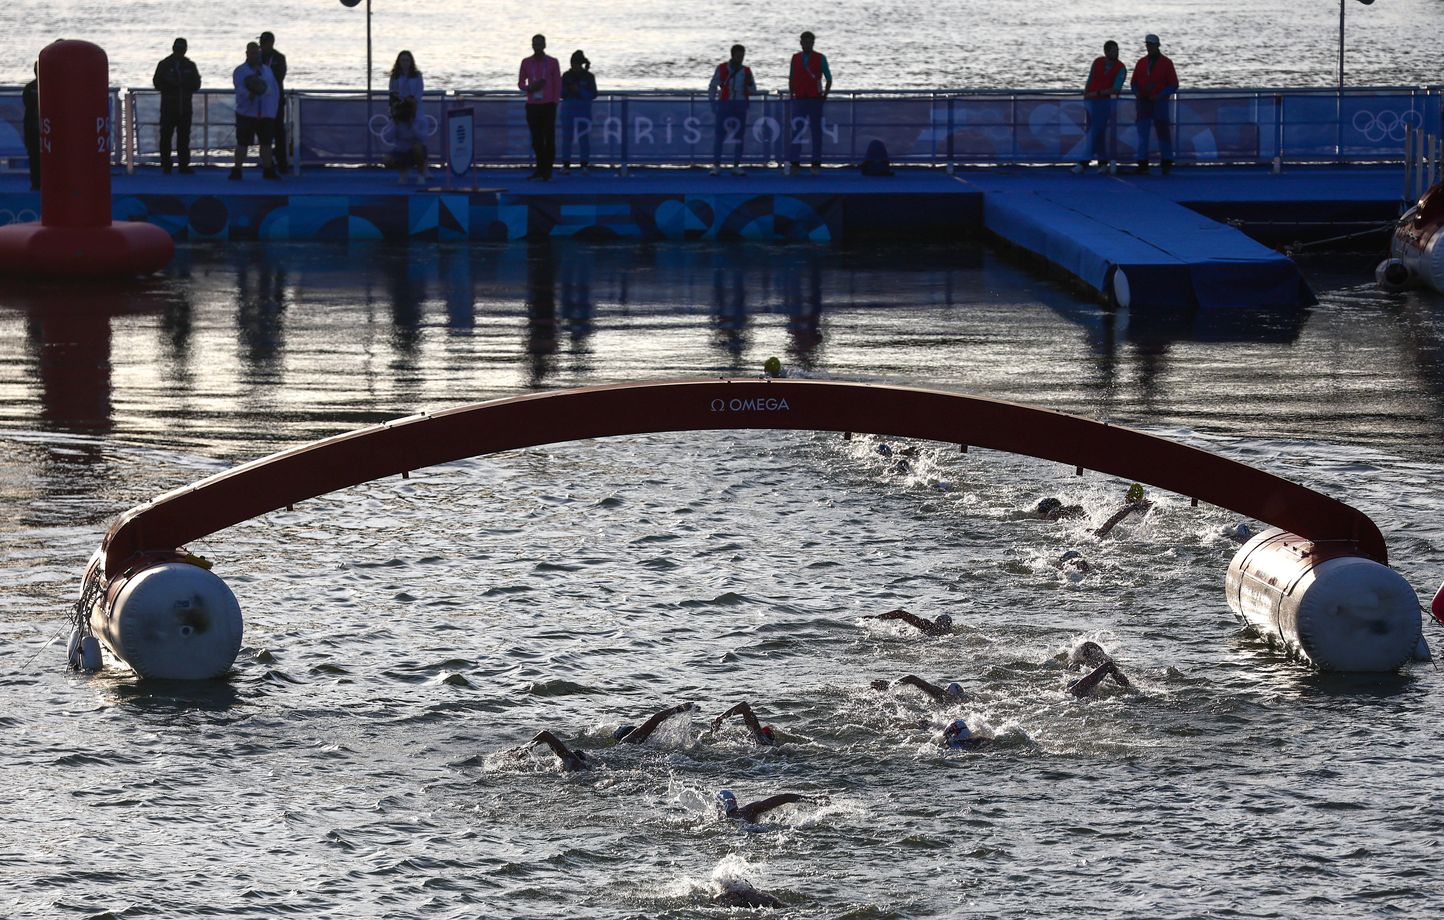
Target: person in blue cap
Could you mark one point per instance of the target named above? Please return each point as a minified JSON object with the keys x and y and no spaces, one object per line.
{"x":764,"y":735}
{"x":728,"y":807}
{"x":952,"y":693}
{"x":940,"y":625}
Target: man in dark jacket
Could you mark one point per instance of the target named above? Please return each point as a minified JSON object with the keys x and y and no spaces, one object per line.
{"x":277,"y":62}
{"x":31,"y":99}
{"x":177,"y":79}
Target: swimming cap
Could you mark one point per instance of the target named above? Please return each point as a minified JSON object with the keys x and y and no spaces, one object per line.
{"x":956,"y":733}
{"x":772,"y":366}
{"x":884,"y":449}
{"x":622,"y":732}
{"x":1070,"y":554}
{"x":1049,"y":504}
{"x":769,"y":734}
{"x":955,"y":689}
{"x":726,"y":801}
{"x":943,"y":621}
{"x":1135,"y":493}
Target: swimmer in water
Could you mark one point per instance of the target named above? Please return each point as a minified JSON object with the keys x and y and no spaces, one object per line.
{"x":1053,"y":509}
{"x":1133,"y":502}
{"x":762,"y":734}
{"x":727,"y":805}
{"x":572,"y":759}
{"x":940,"y":626}
{"x":953,"y":693}
{"x":1091,"y":654}
{"x":745,"y":896}
{"x":636,"y":734}
{"x":958,"y":737}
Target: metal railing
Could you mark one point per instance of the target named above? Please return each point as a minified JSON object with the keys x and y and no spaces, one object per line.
{"x":944,"y":128}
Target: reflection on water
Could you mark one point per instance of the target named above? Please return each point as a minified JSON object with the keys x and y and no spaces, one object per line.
{"x":310,"y":338}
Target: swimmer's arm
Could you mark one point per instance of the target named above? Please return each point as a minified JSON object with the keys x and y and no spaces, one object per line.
{"x":751,"y":812}
{"x":1120,"y":514}
{"x":937,"y":693}
{"x":1118,"y":675}
{"x":911,"y":619}
{"x":551,"y":741}
{"x":644,"y":731}
{"x":748,"y":717}
{"x":735,"y":710}
{"x":1084,"y":685}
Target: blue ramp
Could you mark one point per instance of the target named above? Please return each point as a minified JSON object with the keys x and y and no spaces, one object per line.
{"x":1172,"y":258}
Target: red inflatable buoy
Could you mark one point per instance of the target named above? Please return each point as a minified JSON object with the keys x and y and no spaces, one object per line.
{"x":1438,"y":607}
{"x":75,"y":236}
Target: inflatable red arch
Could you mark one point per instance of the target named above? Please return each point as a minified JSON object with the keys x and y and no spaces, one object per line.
{"x":397,"y":447}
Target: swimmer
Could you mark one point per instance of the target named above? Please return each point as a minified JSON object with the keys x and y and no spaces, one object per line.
{"x":953,"y":693}
{"x":957,"y":737}
{"x":1092,"y":655}
{"x":745,"y":896}
{"x":1072,"y":559}
{"x":636,"y":734}
{"x":1239,"y":533}
{"x":762,"y":734}
{"x":572,"y":759}
{"x":1132,"y":502}
{"x":1053,"y":509}
{"x":939,"y":626}
{"x":727,"y":805}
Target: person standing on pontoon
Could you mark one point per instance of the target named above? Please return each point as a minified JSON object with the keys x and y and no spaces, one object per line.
{"x":732,"y":85}
{"x":1105,"y":83}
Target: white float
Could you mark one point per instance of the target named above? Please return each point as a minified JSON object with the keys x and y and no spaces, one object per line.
{"x":172,"y":621}
{"x":1338,"y":612}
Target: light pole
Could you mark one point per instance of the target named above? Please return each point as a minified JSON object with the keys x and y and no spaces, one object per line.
{"x":1341,"y":38}
{"x":353,"y":3}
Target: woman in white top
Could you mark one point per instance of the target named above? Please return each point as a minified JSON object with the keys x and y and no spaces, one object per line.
{"x":406,"y":82}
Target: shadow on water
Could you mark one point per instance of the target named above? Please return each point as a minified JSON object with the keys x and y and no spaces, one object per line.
{"x":165,"y":697}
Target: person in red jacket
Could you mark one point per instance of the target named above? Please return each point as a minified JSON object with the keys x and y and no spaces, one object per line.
{"x":1105,"y":82}
{"x":1154,"y":81}
{"x":809,"y":81}
{"x":732,"y":85}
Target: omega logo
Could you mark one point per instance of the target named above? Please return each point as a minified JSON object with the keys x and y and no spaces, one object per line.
{"x":765,"y":404}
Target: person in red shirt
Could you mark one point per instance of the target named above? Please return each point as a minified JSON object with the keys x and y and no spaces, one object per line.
{"x":1154,"y":80}
{"x":1105,"y":82}
{"x":732,"y":85}
{"x":809,"y":81}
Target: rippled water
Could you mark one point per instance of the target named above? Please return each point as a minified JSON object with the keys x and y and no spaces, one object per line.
{"x":402,"y":633}
{"x":644,"y":44}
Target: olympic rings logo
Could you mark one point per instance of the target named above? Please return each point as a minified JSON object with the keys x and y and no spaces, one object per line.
{"x":1376,"y":126}
{"x":22,"y":216}
{"x":382,"y":127}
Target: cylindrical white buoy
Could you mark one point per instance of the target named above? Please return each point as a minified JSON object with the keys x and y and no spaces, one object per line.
{"x":1339,"y":612}
{"x":173,"y":620}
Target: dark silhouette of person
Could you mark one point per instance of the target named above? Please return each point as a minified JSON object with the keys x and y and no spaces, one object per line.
{"x":579,"y":88}
{"x":764,"y":735}
{"x":30,"y":97}
{"x":177,"y":79}
{"x":1053,"y":509}
{"x":732,"y":84}
{"x":745,"y":896}
{"x":541,"y":79}
{"x":809,"y":81}
{"x":939,"y":626}
{"x":277,"y":62}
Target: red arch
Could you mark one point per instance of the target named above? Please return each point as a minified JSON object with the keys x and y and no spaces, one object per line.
{"x":396,"y":447}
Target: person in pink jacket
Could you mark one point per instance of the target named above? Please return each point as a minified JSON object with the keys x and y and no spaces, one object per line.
{"x":541,"y":80}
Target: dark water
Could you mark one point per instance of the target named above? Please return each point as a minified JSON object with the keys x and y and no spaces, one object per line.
{"x":402,"y":633}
